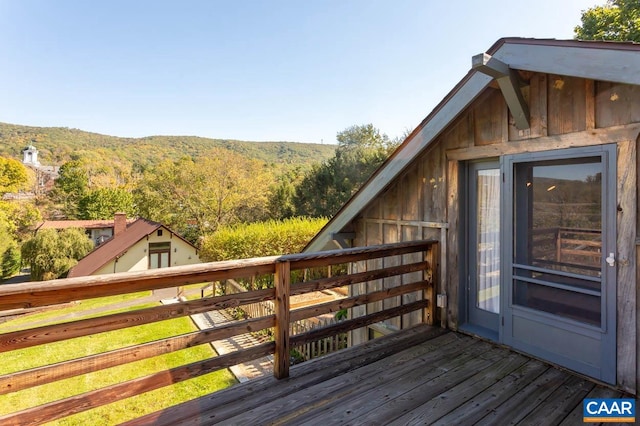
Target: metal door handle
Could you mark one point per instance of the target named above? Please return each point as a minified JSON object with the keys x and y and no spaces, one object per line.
{"x":611,"y":260}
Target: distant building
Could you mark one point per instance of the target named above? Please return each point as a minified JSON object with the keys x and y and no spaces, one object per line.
{"x":45,"y":175}
{"x":136,"y":246}
{"x":30,"y":156}
{"x":97,"y":230}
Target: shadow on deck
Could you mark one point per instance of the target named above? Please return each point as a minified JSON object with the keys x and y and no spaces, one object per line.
{"x":423,"y":375}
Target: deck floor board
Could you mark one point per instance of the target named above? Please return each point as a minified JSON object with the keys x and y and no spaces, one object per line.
{"x":420,"y":376}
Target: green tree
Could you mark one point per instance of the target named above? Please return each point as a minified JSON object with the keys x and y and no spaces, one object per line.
{"x":361,"y":150}
{"x":282,"y":193}
{"x":103,"y":203}
{"x":617,"y":20}
{"x":11,"y":261}
{"x":13,"y":176}
{"x":51,"y":253}
{"x":70,"y":187}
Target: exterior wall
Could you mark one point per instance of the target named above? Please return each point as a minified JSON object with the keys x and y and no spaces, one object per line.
{"x":424,"y":201}
{"x":136,"y":258}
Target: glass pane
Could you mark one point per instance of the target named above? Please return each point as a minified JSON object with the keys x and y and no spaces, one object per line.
{"x":559,"y":216}
{"x":558,"y":237}
{"x":164,"y":260}
{"x":576,"y":306}
{"x":153,"y":260}
{"x":488,"y":239}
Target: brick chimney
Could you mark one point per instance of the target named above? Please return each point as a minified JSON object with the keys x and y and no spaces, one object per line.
{"x":119,"y":223}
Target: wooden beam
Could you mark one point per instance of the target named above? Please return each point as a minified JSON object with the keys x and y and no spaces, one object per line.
{"x":341,"y":238}
{"x":509,"y":83}
{"x":627,"y":132}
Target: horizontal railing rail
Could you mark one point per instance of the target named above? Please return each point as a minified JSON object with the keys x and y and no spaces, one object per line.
{"x":413,"y":263}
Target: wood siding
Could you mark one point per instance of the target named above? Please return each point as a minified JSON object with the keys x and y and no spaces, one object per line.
{"x":425,"y":200}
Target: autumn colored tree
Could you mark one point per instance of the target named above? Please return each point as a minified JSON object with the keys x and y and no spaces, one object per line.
{"x":195,"y":197}
{"x":13,"y":176}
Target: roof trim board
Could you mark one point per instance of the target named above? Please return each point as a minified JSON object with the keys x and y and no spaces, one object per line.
{"x":608,"y":61}
{"x":616,"y":65}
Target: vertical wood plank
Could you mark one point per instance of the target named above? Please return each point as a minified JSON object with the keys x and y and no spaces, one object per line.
{"x":491,"y":118}
{"x":566,"y":105}
{"x":411,"y":193}
{"x":374,"y":237}
{"x":391,"y":235}
{"x":461,"y":132}
{"x":452,"y":256}
{"x":282,"y":278}
{"x":390,"y":204}
{"x":431,"y":275}
{"x":626,"y":295}
{"x":434,"y":204}
{"x":543,"y":104}
{"x":411,"y":233}
{"x":590,"y":104}
{"x":616,"y":104}
{"x":359,"y":335}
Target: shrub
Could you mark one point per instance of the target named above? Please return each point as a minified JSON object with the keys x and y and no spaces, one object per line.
{"x":260,"y":239}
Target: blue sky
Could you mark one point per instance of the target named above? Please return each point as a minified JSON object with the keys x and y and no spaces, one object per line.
{"x":252,"y":70}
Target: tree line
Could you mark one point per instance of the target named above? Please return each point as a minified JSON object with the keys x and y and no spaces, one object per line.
{"x":194,"y":196}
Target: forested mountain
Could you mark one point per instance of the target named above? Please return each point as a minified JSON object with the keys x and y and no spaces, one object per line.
{"x":56,"y":145}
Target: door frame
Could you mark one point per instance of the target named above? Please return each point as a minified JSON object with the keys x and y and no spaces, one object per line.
{"x":606,"y":332}
{"x":468,"y":210}
{"x":608,"y":328}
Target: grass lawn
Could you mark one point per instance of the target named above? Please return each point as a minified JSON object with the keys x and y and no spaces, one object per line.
{"x":121,"y":410}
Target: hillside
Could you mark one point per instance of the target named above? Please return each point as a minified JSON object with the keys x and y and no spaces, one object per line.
{"x":57,"y":144}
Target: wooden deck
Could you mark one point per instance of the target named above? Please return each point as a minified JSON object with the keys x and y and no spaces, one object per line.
{"x":424,"y":375}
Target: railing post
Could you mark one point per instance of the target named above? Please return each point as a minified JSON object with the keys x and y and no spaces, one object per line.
{"x":282,"y":278}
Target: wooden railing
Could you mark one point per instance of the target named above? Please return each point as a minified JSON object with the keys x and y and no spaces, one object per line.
{"x":568,"y":246}
{"x":413,"y":263}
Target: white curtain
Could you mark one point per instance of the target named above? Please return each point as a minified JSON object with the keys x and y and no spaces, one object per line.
{"x":488,"y":238}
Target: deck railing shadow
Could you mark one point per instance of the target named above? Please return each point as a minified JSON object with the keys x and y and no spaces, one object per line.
{"x":411,"y":268}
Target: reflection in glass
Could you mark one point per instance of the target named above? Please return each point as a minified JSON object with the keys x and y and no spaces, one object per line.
{"x":561,"y":203}
{"x":558,"y":237}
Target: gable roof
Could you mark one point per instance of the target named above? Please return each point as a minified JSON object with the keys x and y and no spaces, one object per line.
{"x":116,"y":246}
{"x":598,"y":60}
